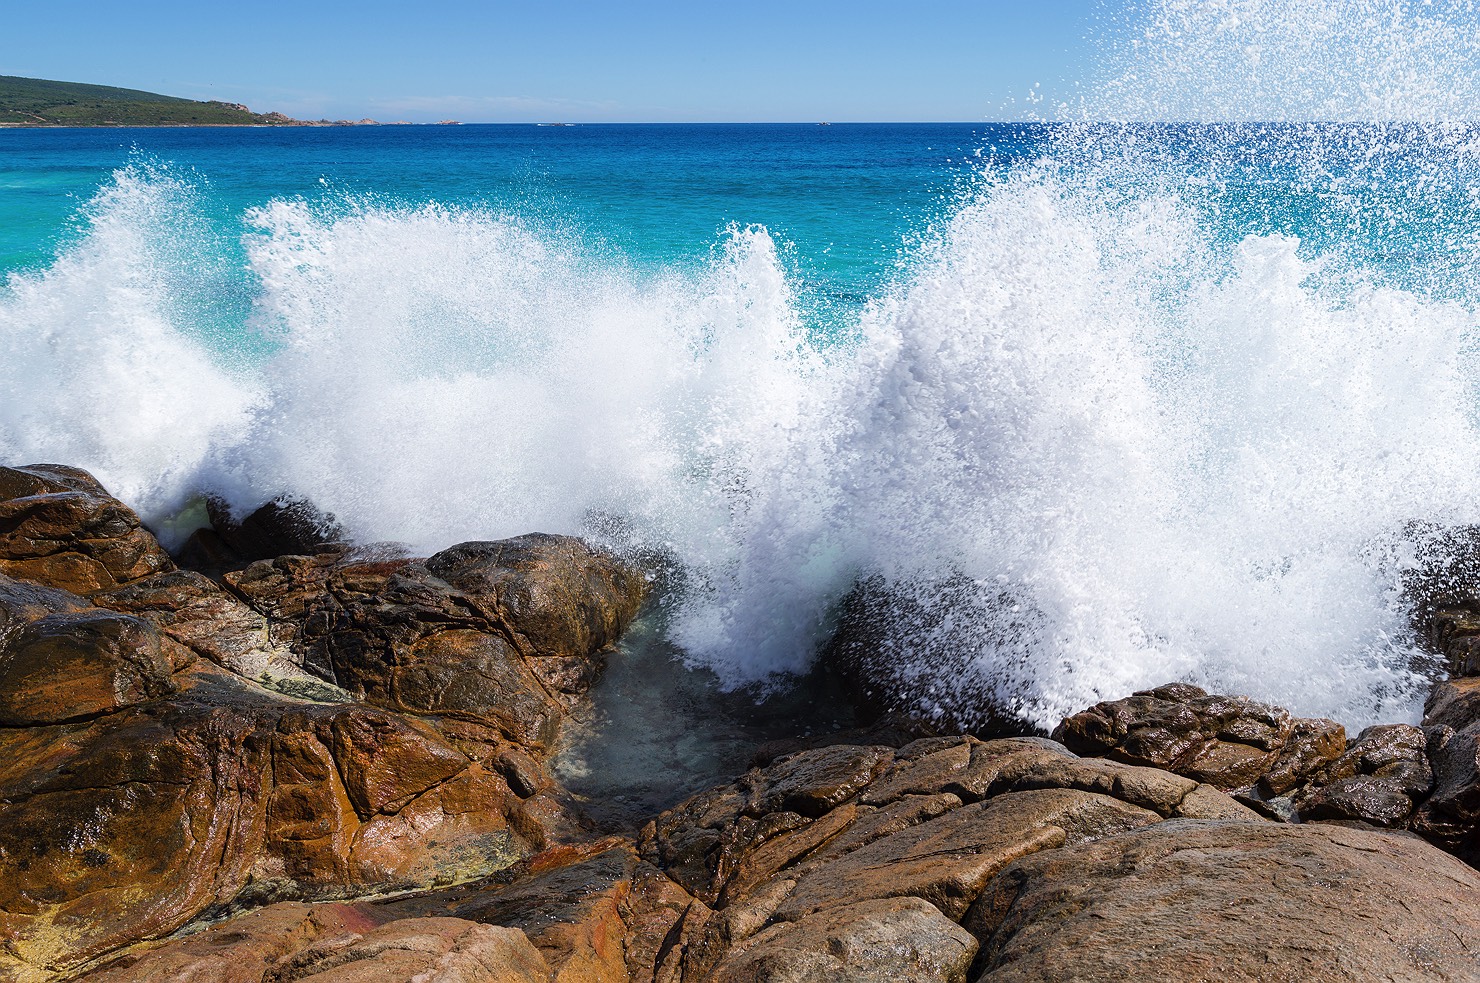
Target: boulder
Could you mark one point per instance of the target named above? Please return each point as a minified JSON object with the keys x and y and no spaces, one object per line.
{"x":510,"y":634}
{"x":775,"y":854}
{"x":60,"y":528}
{"x":900,"y":940}
{"x":1238,"y":901}
{"x":1229,"y":742}
{"x":1450,"y":817}
{"x":63,"y":660}
{"x":560,"y":598}
{"x":915,"y":650}
{"x":285,"y":526}
{"x":1290,"y":769}
{"x":1379,"y":779}
{"x":224,"y":795}
{"x":288,"y":942}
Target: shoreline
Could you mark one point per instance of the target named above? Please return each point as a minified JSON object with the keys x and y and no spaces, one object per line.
{"x":350,"y":751}
{"x":212,"y":126}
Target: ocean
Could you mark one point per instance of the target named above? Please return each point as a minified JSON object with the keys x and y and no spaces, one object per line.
{"x":1159,"y":401}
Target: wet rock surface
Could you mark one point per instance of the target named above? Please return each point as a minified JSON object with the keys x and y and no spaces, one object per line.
{"x":223,"y":796}
{"x":63,"y":660}
{"x":1228,"y":742}
{"x":508,"y":634}
{"x":332,"y":766}
{"x":1287,"y":768}
{"x":1450,"y":816}
{"x":281,"y":527}
{"x":60,"y":528}
{"x":167,"y":754}
{"x":884,"y":628}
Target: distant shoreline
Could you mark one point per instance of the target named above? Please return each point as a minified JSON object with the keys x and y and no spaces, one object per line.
{"x":28,"y":103}
{"x":296,"y":125}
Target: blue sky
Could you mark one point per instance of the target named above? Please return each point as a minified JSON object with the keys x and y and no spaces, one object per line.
{"x":569,"y":60}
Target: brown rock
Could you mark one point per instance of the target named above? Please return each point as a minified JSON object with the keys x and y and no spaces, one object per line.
{"x":561,"y":599}
{"x":705,"y":840}
{"x":62,"y":660}
{"x":1198,"y":900}
{"x":813,"y":783}
{"x":1454,"y":703}
{"x":1450,"y":816}
{"x":224,"y":795}
{"x":595,"y":913}
{"x":1378,"y":779}
{"x":285,"y":590}
{"x":901,"y":940}
{"x":333,"y":943}
{"x":121,"y":829}
{"x":58,"y":527}
{"x":933,"y":821}
{"x":1223,"y":741}
{"x":947,"y":860}
{"x":508,"y":634}
{"x":206,"y":620}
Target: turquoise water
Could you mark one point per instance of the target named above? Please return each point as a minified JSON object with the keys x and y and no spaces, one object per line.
{"x":1176,"y":393}
{"x":844,"y":198}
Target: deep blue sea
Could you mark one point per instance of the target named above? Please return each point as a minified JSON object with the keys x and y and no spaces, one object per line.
{"x":1160,"y":401}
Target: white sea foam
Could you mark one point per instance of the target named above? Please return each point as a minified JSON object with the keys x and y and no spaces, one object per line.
{"x":1181,"y":455}
{"x":101,"y":365}
{"x":1185,"y":459}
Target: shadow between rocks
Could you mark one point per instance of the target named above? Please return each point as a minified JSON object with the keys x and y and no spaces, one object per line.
{"x":657,"y":731}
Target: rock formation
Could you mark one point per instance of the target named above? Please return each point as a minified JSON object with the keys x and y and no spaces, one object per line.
{"x":330,"y":766}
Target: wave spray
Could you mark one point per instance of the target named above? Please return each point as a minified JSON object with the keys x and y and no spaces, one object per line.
{"x":1158,"y":404}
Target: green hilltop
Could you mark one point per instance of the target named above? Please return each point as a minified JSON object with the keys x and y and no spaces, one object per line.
{"x":39,"y":102}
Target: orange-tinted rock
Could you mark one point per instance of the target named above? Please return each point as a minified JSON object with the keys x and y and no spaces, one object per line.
{"x":595,"y":913}
{"x":561,"y":599}
{"x":333,"y":943}
{"x":63,"y":660}
{"x":58,"y":527}
{"x":207,"y":621}
{"x":1189,"y":901}
{"x":285,"y":590}
{"x":508,"y":633}
{"x":899,"y":940}
{"x":128,"y":826}
{"x":122,"y":829}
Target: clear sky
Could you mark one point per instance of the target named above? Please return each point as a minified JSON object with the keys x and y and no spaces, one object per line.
{"x":568,"y":60}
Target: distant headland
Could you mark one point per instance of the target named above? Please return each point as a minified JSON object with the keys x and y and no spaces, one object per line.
{"x":42,"y":102}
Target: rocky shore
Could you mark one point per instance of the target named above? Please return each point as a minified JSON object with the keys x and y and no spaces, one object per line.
{"x":278,"y":757}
